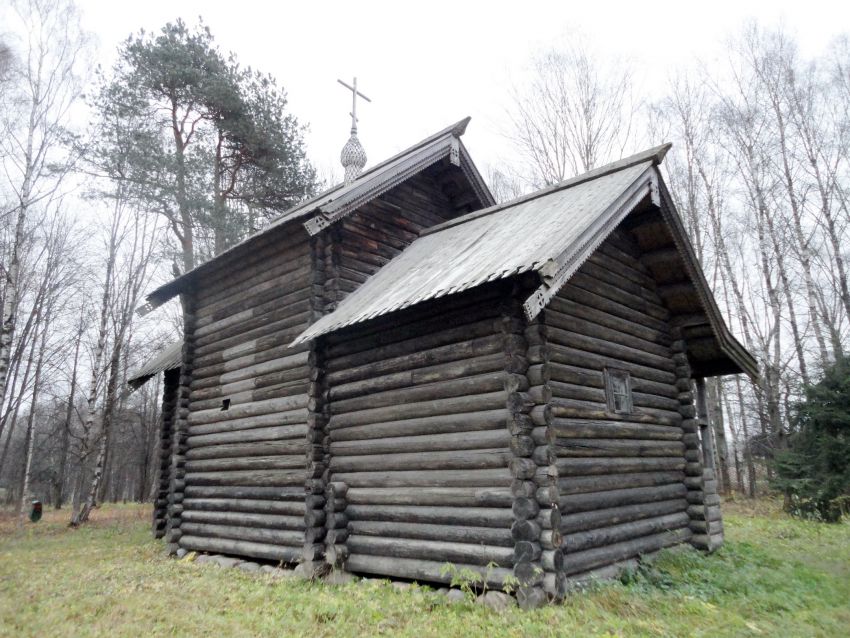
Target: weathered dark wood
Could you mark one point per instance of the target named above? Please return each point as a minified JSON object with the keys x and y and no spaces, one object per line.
{"x":241,"y":548}
{"x":436,"y":424}
{"x":588,"y":559}
{"x":452,"y":496}
{"x":618,"y":533}
{"x":487,"y":439}
{"x":594,"y":519}
{"x":613,"y":498}
{"x":433,"y":478}
{"x":243,"y":519}
{"x":463,"y":516}
{"x":231,"y":506}
{"x":453,"y":552}
{"x":433,"y":571}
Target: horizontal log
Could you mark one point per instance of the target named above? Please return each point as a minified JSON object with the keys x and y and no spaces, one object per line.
{"x":426,"y":571}
{"x":607,"y":304}
{"x":437,"y":478}
{"x":249,"y":366}
{"x":591,"y":558}
{"x":618,"y":533}
{"x":438,"y":391}
{"x":247,"y":493}
{"x":604,"y":482}
{"x":256,"y":408}
{"x":247,"y":463}
{"x":240,"y":548}
{"x":299,"y":374}
{"x":289,"y":538}
{"x":598,"y":280}
{"x":595,"y":378}
{"x":611,"y":429}
{"x":576,"y":408}
{"x":429,"y":374}
{"x":614,"y":498}
{"x":562,"y":309}
{"x":238,"y":450}
{"x":450,"y":460}
{"x":451,"y":496}
{"x":270,"y":478}
{"x":560,"y":329}
{"x":464,"y":516}
{"x":243,"y":519}
{"x":598,"y":518}
{"x":469,"y":553}
{"x":249,"y":340}
{"x":291,"y":417}
{"x":639,"y":399}
{"x":254,"y":305}
{"x":574,"y":356}
{"x":440,"y":424}
{"x":272,"y":433}
{"x":570,"y":447}
{"x":452,"y":344}
{"x":451,"y":533}
{"x":246,"y":367}
{"x":487,"y":439}
{"x":456,"y":405}
{"x":612,"y":465}
{"x":278,"y":391}
{"x":258,"y":289}
{"x":215,"y":504}
{"x":472,"y":312}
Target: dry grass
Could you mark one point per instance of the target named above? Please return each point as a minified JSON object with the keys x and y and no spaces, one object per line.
{"x":775,"y":577}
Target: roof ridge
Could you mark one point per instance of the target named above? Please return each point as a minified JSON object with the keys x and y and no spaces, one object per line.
{"x":656,"y":154}
{"x":457,"y":129}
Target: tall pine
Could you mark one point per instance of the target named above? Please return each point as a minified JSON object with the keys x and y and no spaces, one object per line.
{"x":813,"y":472}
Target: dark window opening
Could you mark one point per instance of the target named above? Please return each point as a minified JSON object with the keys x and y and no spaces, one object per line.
{"x":225,"y":404}
{"x":618,"y":391}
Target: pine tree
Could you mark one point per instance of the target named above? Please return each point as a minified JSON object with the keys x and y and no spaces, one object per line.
{"x":814,"y":471}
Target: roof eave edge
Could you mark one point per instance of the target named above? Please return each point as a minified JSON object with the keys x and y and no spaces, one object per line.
{"x":555,"y":273}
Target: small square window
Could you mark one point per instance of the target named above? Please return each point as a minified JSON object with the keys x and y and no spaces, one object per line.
{"x":618,"y":391}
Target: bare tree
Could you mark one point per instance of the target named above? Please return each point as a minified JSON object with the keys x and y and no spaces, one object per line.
{"x":574,"y":113}
{"x":45,"y":84}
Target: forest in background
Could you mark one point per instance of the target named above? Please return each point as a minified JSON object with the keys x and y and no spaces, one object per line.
{"x":117,"y":178}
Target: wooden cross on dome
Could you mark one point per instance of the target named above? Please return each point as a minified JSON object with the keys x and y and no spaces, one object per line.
{"x":354,"y":93}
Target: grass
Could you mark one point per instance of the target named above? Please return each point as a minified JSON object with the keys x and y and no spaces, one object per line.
{"x":775,"y":576}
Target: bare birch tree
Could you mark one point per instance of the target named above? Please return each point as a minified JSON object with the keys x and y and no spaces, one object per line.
{"x":574,"y":113}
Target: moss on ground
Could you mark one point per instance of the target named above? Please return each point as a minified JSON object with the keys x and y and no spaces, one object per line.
{"x":774,"y":577}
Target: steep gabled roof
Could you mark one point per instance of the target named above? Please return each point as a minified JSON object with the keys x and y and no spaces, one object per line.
{"x":551,"y":232}
{"x":335,"y":203}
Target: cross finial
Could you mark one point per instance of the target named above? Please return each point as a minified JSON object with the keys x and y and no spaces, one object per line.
{"x":353,"y":157}
{"x":354,"y":93}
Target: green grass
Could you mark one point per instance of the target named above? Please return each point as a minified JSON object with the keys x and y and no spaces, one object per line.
{"x":774,"y":577}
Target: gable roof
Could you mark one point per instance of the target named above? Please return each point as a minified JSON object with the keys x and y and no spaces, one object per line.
{"x":335,"y":203}
{"x":551,"y":232}
{"x":530,"y":233}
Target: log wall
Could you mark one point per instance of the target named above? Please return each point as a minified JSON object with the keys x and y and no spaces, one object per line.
{"x":171,"y":380}
{"x":367,"y":239}
{"x":419,"y":442}
{"x":618,"y":479}
{"x":249,"y":404}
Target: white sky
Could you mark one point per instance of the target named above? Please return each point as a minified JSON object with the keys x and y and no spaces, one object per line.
{"x":427,"y":64}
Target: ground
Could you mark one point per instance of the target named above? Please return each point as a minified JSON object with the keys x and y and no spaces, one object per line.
{"x":775,"y":576}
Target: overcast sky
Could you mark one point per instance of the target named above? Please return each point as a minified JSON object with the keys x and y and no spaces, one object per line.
{"x":428,"y":64}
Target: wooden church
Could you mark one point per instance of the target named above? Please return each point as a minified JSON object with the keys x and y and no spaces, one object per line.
{"x":400,"y":374}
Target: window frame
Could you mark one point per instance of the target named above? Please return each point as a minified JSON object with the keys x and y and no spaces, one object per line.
{"x":611,"y":375}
